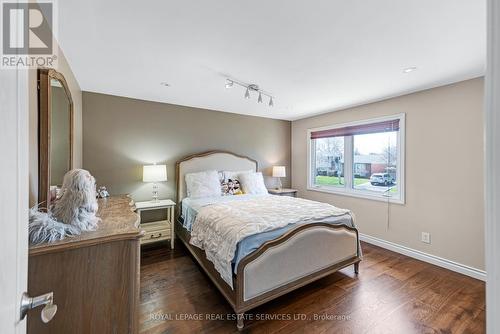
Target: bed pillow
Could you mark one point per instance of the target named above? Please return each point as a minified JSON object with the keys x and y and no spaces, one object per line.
{"x":253,"y":183}
{"x":203,"y":184}
{"x":220,"y":174}
{"x":229,"y":174}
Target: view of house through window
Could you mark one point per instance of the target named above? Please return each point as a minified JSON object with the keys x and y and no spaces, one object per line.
{"x":330,"y":161}
{"x":375,"y":162}
{"x":358,"y":159}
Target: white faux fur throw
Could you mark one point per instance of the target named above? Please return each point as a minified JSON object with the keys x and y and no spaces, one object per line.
{"x":44,"y":228}
{"x":73,"y":212}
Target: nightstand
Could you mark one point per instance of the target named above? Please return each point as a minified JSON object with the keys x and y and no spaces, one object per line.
{"x":157,"y":230}
{"x":283,"y":192}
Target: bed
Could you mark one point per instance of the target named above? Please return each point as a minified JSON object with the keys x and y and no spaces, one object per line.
{"x":272,"y":262}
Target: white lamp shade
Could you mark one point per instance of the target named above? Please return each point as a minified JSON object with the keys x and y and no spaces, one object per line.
{"x":279,"y":171}
{"x":154,"y":173}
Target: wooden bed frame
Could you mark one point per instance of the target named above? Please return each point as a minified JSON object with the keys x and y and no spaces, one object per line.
{"x":333,"y":243}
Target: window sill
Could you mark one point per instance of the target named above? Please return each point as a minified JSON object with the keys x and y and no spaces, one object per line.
{"x":358,"y":194}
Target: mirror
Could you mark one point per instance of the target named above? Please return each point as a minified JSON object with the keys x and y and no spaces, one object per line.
{"x":55,"y":133}
{"x":60,"y":123}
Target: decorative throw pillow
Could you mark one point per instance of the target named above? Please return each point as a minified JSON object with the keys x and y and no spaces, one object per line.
{"x":203,"y":184}
{"x":253,"y":183}
{"x":230,"y":185}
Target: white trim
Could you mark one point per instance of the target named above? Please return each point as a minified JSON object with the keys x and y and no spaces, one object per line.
{"x":492,"y":165}
{"x":23,"y":188}
{"x":22,"y":198}
{"x":347,"y":190}
{"x":422,"y":256}
{"x":356,"y":194}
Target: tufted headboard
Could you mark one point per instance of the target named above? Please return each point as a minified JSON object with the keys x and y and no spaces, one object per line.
{"x":212,"y":160}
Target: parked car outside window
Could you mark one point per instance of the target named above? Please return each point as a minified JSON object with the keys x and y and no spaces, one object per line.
{"x":381,"y":179}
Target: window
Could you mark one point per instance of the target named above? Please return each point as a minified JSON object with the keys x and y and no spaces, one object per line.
{"x":329,"y":161}
{"x":362,"y":159}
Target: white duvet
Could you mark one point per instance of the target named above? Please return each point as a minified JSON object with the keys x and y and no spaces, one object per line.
{"x":219,"y":227}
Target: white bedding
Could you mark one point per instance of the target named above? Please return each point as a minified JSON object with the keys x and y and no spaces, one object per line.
{"x":220,"y":226}
{"x":191,"y":206}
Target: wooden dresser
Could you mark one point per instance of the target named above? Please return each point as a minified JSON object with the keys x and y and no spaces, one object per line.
{"x":94,"y":276}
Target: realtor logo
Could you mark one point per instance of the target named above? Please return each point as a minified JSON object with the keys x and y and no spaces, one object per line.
{"x":27,"y":35}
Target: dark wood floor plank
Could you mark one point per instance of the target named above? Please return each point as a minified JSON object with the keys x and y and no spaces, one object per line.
{"x":477,"y":324}
{"x":412,"y":317}
{"x":392,"y":294}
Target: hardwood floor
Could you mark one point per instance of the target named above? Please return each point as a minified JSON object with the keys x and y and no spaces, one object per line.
{"x":392,"y":294}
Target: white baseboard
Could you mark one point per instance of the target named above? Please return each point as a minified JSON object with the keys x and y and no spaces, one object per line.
{"x":436,"y":260}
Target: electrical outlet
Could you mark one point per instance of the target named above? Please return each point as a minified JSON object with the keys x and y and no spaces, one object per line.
{"x":426,"y":237}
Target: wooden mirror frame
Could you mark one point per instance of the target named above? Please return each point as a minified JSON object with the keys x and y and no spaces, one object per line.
{"x":44,"y":127}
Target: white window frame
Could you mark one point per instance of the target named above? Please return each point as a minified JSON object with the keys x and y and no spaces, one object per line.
{"x":348,"y":189}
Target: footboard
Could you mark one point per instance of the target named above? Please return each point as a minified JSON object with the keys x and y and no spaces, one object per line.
{"x":299,"y":257}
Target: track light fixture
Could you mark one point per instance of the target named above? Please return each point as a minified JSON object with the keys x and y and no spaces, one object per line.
{"x":250,"y":87}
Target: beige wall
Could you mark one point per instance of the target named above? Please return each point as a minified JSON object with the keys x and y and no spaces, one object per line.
{"x":444,"y":172}
{"x":121,"y":134}
{"x":76,"y":94}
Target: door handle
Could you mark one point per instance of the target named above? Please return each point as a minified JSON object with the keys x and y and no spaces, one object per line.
{"x":49,"y":310}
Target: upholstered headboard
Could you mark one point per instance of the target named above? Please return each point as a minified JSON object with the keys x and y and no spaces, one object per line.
{"x":212,"y":160}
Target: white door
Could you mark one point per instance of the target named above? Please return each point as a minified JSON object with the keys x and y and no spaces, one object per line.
{"x":492,"y":178}
{"x":14,"y":178}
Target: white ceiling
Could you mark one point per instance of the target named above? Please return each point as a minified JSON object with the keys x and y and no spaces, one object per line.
{"x":314,"y":56}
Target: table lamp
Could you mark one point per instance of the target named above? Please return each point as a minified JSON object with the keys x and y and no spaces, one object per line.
{"x":154,"y":173}
{"x":279,"y":172}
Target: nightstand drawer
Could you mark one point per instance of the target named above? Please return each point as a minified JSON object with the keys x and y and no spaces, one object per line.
{"x":157,"y":235}
{"x":156,"y":231}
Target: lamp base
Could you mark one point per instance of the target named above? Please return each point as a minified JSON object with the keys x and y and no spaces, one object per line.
{"x":155,"y":193}
{"x":280,"y":186}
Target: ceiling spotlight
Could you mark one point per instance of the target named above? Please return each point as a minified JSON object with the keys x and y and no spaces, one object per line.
{"x":229,"y":83}
{"x":247,"y":94}
{"x":260,"y":98}
{"x":409,"y":69}
{"x":271,"y":103}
